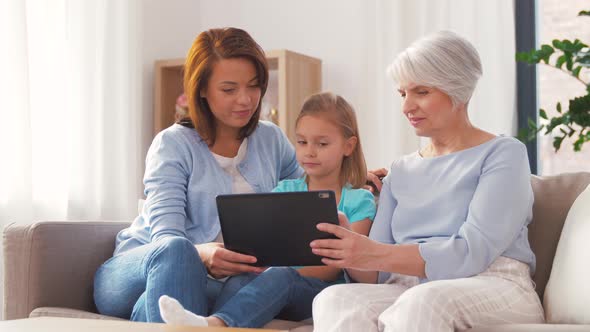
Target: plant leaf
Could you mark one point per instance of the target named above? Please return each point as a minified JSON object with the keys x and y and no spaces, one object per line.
{"x":578,"y":143}
{"x":576,"y":71}
{"x":572,"y":131}
{"x":532,"y":124}
{"x":584,"y":13}
{"x":560,"y":61}
{"x":583,"y":59}
{"x":557,"y":143}
{"x":579,"y":110}
{"x":545,"y":53}
{"x":569,"y":62}
{"x":523,"y":135}
{"x":543,"y":114}
{"x":525,"y":57}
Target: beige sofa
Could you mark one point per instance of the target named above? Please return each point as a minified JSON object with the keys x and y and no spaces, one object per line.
{"x":49,"y":265}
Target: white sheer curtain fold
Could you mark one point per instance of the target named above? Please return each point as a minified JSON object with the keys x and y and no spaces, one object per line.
{"x":69,"y":120}
{"x":393,"y":25}
{"x":70,"y":128}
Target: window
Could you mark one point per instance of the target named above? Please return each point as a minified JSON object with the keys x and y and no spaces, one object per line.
{"x":537,"y":23}
{"x":559,"y":20}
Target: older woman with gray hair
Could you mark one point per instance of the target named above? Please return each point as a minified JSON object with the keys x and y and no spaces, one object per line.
{"x":448,"y":249}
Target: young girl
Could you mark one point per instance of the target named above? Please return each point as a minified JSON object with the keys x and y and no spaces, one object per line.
{"x":329,"y":150}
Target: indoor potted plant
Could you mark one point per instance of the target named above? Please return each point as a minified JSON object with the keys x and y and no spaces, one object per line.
{"x":572,"y":57}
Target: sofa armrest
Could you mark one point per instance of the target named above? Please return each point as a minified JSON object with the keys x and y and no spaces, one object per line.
{"x":52,"y":264}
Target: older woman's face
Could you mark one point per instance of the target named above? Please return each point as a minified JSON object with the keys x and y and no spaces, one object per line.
{"x":428,"y":109}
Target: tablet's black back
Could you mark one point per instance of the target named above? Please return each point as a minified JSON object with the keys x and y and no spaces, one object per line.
{"x":276,"y":228}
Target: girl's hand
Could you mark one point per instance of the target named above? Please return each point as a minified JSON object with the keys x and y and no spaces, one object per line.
{"x":350,"y":250}
{"x":374,"y":178}
{"x":221,"y":262}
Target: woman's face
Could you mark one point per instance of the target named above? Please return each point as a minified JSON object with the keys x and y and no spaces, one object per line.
{"x":428,"y":109}
{"x":233,"y":93}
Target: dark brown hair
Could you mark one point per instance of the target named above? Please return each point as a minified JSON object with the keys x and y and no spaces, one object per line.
{"x":210,"y":47}
{"x":337,"y":110}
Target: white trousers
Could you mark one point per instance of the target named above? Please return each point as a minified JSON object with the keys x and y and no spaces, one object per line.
{"x":502,"y":294}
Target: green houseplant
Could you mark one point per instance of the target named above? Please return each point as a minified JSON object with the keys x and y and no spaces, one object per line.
{"x":574,"y":59}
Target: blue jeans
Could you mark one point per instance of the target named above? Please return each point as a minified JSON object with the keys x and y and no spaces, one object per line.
{"x":277,"y":292}
{"x":130,"y":284}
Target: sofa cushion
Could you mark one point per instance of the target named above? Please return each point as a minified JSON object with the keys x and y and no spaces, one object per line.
{"x":279,"y":324}
{"x":554,"y":196}
{"x":568,"y":289}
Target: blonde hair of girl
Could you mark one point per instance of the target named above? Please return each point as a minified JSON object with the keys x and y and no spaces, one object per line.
{"x":338,"y":111}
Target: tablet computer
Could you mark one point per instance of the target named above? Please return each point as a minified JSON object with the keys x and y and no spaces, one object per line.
{"x":276,"y":228}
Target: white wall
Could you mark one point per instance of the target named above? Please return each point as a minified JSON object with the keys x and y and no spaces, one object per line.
{"x":167,"y":30}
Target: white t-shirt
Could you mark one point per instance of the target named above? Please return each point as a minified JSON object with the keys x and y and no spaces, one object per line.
{"x":230,"y":166}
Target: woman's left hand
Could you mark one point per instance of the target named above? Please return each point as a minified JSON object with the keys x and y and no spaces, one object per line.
{"x":350,"y":250}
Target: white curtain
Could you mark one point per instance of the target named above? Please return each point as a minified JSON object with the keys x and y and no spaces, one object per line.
{"x":394,"y":25}
{"x":69,"y":123}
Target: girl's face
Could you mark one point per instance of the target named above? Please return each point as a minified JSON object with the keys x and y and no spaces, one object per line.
{"x":428,"y":109}
{"x":233,"y":93}
{"x":320,"y":147}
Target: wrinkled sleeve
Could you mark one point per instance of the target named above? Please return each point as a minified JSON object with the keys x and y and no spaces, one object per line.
{"x":364,"y":206}
{"x":165,"y":180}
{"x":381,"y":229}
{"x":501,"y":206}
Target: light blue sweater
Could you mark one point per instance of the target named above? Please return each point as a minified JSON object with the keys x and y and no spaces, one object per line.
{"x":464,"y":209}
{"x":182,"y":179}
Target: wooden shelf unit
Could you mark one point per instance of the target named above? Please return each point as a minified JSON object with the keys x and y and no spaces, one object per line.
{"x":293,"y":76}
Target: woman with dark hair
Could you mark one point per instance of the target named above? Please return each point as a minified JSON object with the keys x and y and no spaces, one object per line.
{"x":174,"y":246}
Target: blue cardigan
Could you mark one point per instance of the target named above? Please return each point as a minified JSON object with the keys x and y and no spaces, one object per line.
{"x":464,"y":209}
{"x":182,"y":179}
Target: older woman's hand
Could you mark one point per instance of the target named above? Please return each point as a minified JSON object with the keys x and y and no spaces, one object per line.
{"x":374,"y":178}
{"x":350,"y":250}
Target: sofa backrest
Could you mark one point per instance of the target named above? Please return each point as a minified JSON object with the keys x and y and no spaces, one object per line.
{"x":554,"y":195}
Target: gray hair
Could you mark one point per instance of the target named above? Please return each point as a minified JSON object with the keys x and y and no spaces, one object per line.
{"x":443,"y":60}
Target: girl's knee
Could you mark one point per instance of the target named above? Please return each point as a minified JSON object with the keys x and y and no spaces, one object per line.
{"x":282,"y":273}
{"x":238,"y":281}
